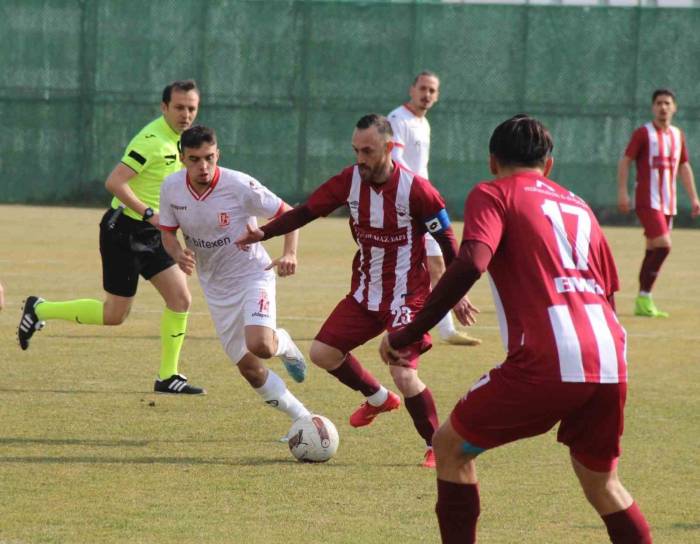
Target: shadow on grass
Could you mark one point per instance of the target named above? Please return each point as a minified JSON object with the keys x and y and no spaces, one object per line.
{"x":189,"y":338}
{"x":78,"y":460}
{"x":85,"y":392}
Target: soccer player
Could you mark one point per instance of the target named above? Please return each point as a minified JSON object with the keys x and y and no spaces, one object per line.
{"x":212,"y":205}
{"x":660,"y":153}
{"x":554,"y":281}
{"x":390,"y":208}
{"x":412,"y":149}
{"x":130,"y":242}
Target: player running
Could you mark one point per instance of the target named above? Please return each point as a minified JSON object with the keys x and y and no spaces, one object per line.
{"x":554,"y":280}
{"x":212,"y":206}
{"x":391,"y":209}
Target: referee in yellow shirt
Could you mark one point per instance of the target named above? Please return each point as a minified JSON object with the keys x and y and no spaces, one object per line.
{"x":130,"y":242}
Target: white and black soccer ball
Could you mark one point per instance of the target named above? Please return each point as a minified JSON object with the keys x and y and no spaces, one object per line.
{"x":313,"y":439}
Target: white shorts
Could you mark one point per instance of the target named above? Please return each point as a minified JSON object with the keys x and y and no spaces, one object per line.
{"x":432,"y":248}
{"x":252,"y":304}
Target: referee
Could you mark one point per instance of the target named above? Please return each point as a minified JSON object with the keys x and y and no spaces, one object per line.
{"x":130,"y":243}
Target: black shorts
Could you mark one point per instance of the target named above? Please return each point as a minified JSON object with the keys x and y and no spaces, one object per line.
{"x":129,"y":248}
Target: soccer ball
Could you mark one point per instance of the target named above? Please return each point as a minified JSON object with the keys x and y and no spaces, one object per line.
{"x":313,"y":439}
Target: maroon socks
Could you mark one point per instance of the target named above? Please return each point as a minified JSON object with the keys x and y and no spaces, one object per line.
{"x":457,"y":511}
{"x":424,"y":414}
{"x":628,"y":526}
{"x":653,"y":259}
{"x":355,"y":376}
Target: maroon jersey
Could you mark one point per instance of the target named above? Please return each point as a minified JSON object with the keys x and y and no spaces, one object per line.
{"x":551,"y":275}
{"x":388,"y":222}
{"x":657,"y":154}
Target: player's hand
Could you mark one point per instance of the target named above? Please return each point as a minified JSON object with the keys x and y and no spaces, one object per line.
{"x":251,"y":236}
{"x":623,"y":202}
{"x":390,"y":355}
{"x":695,"y":208}
{"x":186,"y":261}
{"x":466,"y":311}
{"x":286,"y":265}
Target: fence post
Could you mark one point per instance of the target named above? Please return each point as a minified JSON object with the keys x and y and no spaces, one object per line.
{"x":88,"y":67}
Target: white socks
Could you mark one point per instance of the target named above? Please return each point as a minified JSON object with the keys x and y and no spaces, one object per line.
{"x":378,"y":398}
{"x":275,"y":393}
{"x":446,"y":326}
{"x":284,"y":342}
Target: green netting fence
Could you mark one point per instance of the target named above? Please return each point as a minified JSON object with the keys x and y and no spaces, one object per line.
{"x":284,"y":82}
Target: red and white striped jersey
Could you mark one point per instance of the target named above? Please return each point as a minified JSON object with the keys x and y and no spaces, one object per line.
{"x":551,"y":274}
{"x":388,"y":223}
{"x":658,"y":154}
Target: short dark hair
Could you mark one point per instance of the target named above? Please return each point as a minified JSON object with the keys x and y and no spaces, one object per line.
{"x":375,"y":120}
{"x":426,"y":73}
{"x":521,"y":141}
{"x":183,"y":85}
{"x":195,"y":136}
{"x":662,"y":92}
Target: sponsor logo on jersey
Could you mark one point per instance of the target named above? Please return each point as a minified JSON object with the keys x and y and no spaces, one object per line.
{"x":661,"y":162}
{"x":572,"y":284}
{"x":208,"y":244}
{"x":169,"y":159}
{"x":380,"y":237}
{"x":224,"y":219}
{"x":177,"y":207}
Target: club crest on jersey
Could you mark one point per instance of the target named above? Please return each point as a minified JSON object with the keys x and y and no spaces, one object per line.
{"x":224,"y":219}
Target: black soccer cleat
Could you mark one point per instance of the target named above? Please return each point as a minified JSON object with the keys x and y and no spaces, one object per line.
{"x":29,"y":323}
{"x":177,"y":385}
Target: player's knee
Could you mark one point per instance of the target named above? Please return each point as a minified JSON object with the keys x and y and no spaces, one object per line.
{"x":180,"y":302}
{"x":407,"y":382}
{"x":260,"y":347}
{"x":321,"y":356}
{"x":115,"y":316}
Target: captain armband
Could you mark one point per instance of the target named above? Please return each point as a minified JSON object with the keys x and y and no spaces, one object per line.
{"x":438,"y":222}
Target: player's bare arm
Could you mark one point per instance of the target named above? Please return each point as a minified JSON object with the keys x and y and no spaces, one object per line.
{"x":287,"y":263}
{"x":118,"y":184}
{"x":623,"y":171}
{"x":184,"y":257}
{"x":252,"y":235}
{"x":464,"y":309}
{"x":688,"y":180}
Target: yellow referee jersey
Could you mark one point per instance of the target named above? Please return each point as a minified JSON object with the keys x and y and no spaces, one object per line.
{"x":153,"y":155}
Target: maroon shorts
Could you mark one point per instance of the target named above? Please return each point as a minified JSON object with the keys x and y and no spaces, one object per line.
{"x":351,"y":325}
{"x":655,"y":222}
{"x":499,"y":409}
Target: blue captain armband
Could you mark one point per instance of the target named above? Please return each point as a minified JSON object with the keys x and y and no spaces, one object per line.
{"x":438,"y":222}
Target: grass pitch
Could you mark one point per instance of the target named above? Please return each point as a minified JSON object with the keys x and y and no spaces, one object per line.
{"x":88,"y":454}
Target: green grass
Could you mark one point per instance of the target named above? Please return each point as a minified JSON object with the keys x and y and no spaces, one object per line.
{"x":89,"y":454}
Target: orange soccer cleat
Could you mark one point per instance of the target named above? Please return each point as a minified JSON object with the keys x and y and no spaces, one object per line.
{"x":366,"y":413}
{"x":429,"y":459}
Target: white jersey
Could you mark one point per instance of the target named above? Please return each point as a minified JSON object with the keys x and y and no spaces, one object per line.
{"x":411,"y":140}
{"x":212,"y":221}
